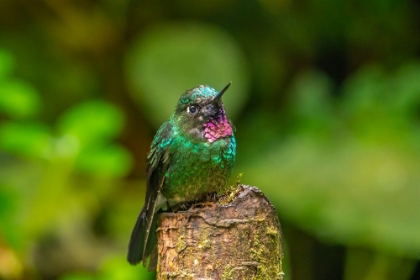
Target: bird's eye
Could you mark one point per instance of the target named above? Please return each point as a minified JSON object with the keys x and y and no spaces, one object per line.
{"x":192,"y":109}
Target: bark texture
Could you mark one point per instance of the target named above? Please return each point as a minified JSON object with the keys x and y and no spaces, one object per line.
{"x":238,"y":237}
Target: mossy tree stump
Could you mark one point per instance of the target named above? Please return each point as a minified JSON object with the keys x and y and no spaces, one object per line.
{"x":236,"y":238}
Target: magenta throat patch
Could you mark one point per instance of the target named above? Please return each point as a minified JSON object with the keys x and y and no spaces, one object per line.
{"x":217,"y":128}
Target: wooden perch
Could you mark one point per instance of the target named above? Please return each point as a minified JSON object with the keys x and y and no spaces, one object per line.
{"x":238,"y":237}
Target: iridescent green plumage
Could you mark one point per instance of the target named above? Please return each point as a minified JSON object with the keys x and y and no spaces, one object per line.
{"x":191,"y":155}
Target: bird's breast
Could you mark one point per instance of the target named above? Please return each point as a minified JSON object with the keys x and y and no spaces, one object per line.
{"x":199,"y":167}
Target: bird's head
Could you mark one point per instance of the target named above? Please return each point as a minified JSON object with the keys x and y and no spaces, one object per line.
{"x":201,"y":113}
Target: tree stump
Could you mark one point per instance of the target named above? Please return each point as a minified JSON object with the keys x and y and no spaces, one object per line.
{"x":237,"y":237}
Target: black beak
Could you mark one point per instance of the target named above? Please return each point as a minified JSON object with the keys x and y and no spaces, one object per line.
{"x":219,"y":95}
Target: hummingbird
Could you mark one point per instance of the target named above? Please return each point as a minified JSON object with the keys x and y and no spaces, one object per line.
{"x":191,"y":156}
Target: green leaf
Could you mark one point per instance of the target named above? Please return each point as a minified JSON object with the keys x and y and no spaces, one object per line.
{"x":91,"y":122}
{"x":27,"y":139}
{"x":380,"y":105}
{"x":18,"y":99}
{"x":110,"y":160}
{"x":170,"y":59}
{"x":345,"y":191}
{"x":367,"y":92}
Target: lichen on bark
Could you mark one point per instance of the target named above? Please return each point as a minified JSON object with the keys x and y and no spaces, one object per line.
{"x":238,"y":237}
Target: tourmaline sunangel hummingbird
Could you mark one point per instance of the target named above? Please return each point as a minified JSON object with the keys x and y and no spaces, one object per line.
{"x":191,"y":155}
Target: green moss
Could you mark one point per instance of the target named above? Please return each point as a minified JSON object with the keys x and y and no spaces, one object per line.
{"x":228,"y":272}
{"x":272,"y":231}
{"x":181,"y":244}
{"x":203,"y":245}
{"x":229,"y":194}
{"x":205,"y":242}
{"x":238,"y":179}
{"x":267,"y":268}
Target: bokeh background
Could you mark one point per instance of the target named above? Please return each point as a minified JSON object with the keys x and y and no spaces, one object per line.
{"x":325,"y":99}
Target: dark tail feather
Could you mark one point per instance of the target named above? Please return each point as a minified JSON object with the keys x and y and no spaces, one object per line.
{"x":138,"y":238}
{"x":151,"y":247}
{"x":143,"y":238}
{"x":143,"y":242}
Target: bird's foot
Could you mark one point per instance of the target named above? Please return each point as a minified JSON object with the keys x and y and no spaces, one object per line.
{"x":203,"y":204}
{"x":182,"y":206}
{"x":211,"y":197}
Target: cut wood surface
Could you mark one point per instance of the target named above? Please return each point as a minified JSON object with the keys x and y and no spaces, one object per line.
{"x":237,"y":237}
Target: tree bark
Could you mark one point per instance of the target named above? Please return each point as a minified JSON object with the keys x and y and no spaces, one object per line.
{"x":237,"y":237}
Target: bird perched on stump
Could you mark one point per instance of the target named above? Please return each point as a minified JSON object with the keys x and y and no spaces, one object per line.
{"x":191,"y":155}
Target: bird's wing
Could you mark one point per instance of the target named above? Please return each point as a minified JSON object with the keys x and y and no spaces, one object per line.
{"x":142,"y":243}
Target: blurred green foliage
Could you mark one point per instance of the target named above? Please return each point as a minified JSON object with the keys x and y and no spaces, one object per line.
{"x":154,"y":65}
{"x":325,"y":99}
